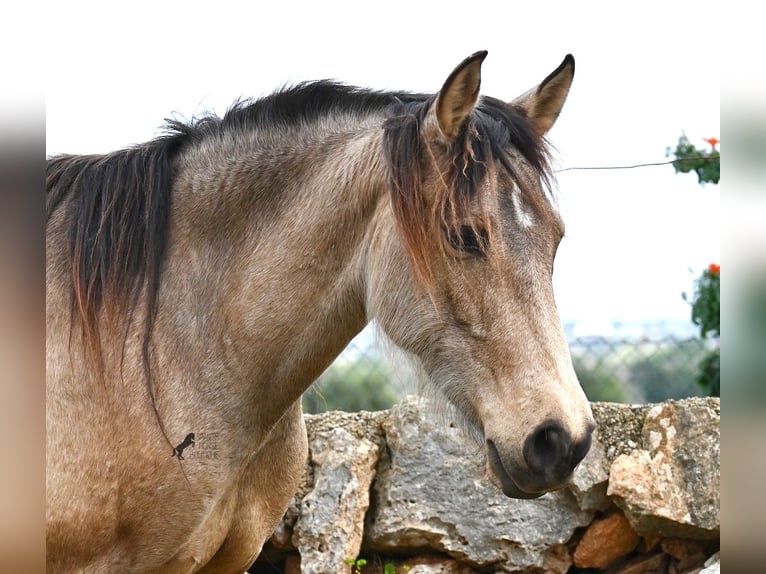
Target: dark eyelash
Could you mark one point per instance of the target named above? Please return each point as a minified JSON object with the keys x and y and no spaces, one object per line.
{"x":470,"y":240}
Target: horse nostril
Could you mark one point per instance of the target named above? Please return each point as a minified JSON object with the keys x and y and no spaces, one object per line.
{"x":548,"y":449}
{"x":582,"y":447}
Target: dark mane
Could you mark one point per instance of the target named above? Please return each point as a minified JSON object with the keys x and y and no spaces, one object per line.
{"x":480,"y":148}
{"x":117,"y":211}
{"x":292,"y":106}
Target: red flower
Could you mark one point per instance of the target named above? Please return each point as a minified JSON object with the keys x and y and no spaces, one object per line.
{"x":714,"y":269}
{"x":712,"y":141}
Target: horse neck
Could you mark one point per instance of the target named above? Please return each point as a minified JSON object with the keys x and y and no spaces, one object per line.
{"x":269,"y":259}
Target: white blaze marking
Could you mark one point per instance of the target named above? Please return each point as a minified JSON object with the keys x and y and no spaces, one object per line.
{"x":523,"y":216}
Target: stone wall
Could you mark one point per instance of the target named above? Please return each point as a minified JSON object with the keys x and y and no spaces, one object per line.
{"x":405,"y":491}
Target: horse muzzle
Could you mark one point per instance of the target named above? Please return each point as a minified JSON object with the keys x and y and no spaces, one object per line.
{"x":550,"y":456}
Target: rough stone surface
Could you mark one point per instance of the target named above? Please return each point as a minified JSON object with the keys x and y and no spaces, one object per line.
{"x":671,"y":485}
{"x":619,"y":427}
{"x":432,"y":508}
{"x":606,"y":541}
{"x":361,"y":425}
{"x":712,"y":565}
{"x":432,"y":493}
{"x":332,"y":514}
{"x":433,"y":566}
{"x":591,"y":478}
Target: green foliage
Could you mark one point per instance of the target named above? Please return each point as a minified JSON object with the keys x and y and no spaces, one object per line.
{"x":666,"y":374}
{"x":599,"y":382}
{"x":706,"y":314}
{"x":706,"y":302}
{"x":706,"y":164}
{"x":710,"y":373}
{"x":363,"y":385}
{"x":356,"y":564}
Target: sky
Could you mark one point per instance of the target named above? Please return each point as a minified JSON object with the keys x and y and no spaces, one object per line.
{"x":645,"y":74}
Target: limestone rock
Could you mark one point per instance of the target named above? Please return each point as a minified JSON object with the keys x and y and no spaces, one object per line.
{"x":431,"y":493}
{"x":671,"y":486}
{"x":618,"y":432}
{"x":433,"y":566}
{"x":712,"y":565}
{"x":591,"y":478}
{"x":331,"y":519}
{"x":619,"y":428}
{"x":606,"y":541}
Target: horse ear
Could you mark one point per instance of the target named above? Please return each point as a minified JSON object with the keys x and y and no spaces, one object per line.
{"x":459,"y":95}
{"x":543,"y":103}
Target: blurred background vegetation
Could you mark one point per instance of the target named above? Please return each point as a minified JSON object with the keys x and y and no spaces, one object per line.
{"x":614,"y":370}
{"x":359,"y":380}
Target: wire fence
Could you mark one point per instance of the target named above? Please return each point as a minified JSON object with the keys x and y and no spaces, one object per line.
{"x":639,"y":370}
{"x":628,"y":370}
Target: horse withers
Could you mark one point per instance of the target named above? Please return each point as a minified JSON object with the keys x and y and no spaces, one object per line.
{"x":197,"y":284}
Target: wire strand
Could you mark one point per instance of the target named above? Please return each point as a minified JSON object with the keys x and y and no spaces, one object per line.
{"x":634,"y":166}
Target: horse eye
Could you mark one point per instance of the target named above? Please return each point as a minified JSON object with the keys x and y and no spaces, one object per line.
{"x":470,"y":240}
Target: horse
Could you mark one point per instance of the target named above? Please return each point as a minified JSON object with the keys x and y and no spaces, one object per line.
{"x":199,"y":283}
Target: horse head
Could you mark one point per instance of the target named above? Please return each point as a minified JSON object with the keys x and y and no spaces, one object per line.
{"x":473,"y":221}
